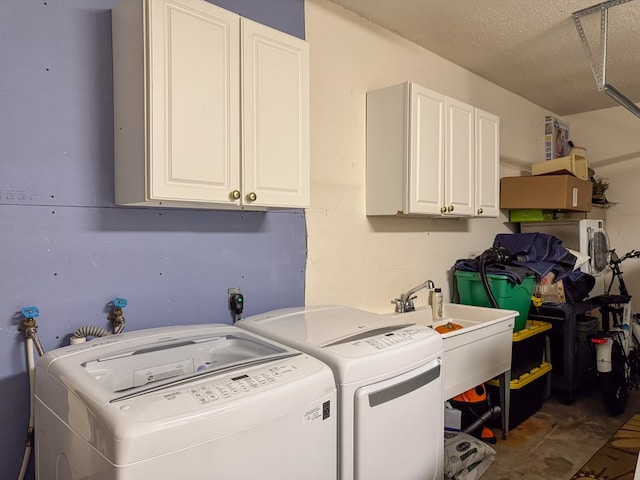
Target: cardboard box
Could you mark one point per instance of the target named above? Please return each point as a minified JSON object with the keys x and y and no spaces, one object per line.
{"x":575,"y":164}
{"x":549,"y":290}
{"x":556,"y":138}
{"x":551,"y":192}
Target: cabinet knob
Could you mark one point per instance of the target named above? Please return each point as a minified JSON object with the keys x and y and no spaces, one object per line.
{"x":235,"y":195}
{"x":479,"y":211}
{"x":252,"y":197}
{"x":443,"y":209}
{"x":450,"y":209}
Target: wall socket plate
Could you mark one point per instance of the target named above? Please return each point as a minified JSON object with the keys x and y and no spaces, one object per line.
{"x":235,"y":301}
{"x":232,"y":291}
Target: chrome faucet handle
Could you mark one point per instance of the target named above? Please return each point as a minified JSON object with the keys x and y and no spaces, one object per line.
{"x":403,"y":306}
{"x":408,"y":304}
{"x":399,"y":305}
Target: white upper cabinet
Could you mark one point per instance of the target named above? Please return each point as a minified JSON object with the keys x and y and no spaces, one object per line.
{"x":487,"y":199}
{"x":275,"y":117}
{"x":211,"y":110}
{"x":425,"y":154}
{"x":194,"y":115}
{"x":459,"y":158}
{"x":426,"y":162}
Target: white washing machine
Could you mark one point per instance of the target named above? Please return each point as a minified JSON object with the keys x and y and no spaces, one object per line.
{"x":390,"y":388}
{"x":196,"y":402}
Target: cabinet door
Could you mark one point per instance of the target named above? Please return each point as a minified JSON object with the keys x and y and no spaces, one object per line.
{"x":426,"y":156}
{"x":487,"y":164}
{"x":194,"y":102}
{"x":460,"y":158}
{"x":275,"y":117}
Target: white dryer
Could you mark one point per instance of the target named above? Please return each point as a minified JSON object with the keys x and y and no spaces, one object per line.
{"x":390,"y":388}
{"x":196,"y":402}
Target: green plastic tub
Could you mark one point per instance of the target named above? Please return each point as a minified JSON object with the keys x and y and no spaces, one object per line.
{"x":508,"y":297}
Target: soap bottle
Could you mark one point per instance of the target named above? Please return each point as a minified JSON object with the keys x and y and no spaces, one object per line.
{"x":436,"y":304}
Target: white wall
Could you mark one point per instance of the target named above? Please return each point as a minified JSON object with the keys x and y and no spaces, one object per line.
{"x":366,"y":262}
{"x":612,"y":139}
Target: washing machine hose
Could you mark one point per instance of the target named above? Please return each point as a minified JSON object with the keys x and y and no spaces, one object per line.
{"x":30,"y":431}
{"x":81,"y":334}
{"x":89,"y":331}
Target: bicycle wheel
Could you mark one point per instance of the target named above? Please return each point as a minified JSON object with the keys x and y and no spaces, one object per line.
{"x":615,"y":390}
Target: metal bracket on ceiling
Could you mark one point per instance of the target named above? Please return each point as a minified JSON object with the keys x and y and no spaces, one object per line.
{"x":600,"y":69}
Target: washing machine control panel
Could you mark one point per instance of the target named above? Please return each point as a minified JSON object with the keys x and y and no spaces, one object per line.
{"x":391,"y":339}
{"x":233,"y":386}
{"x":398,"y":342}
{"x":220,"y":389}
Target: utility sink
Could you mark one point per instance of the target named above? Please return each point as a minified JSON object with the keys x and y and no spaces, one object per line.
{"x":476,"y":353}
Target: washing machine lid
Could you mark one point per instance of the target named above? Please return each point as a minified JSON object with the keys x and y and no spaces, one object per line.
{"x":121,"y":366}
{"x":325,"y":326}
{"x":98,"y":390}
{"x":357,"y":345}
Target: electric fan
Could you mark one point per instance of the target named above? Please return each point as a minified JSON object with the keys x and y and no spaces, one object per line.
{"x":598,"y":251}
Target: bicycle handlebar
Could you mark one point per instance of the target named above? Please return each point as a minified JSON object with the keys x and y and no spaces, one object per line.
{"x":613,"y":256}
{"x":614,"y":265}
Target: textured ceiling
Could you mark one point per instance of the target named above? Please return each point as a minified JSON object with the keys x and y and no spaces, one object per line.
{"x":530,"y":47}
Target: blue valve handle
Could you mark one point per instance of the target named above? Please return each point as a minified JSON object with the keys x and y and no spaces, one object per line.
{"x":120,"y":302}
{"x":30,"y":312}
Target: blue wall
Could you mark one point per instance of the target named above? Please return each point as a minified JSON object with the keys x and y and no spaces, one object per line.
{"x":65,"y":247}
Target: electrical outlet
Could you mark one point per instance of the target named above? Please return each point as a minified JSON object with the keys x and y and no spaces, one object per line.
{"x":230,"y":292}
{"x":235,"y":301}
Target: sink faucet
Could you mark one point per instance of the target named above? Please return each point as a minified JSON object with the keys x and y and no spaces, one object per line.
{"x":405,"y":302}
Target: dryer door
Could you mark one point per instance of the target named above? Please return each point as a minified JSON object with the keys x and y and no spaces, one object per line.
{"x":399,"y":426}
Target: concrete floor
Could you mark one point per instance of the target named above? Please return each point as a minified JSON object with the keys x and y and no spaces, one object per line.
{"x":558,"y":439}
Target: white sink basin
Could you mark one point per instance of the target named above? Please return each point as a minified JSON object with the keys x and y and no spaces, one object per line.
{"x":476,"y":353}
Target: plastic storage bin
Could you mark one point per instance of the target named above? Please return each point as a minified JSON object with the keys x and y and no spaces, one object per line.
{"x":585,"y":357}
{"x":529,"y":347}
{"x":521,"y":215}
{"x":509,"y":297}
{"x":527,"y":394}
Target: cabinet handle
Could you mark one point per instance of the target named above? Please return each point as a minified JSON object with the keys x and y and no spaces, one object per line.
{"x":235,"y":195}
{"x":252,"y":197}
{"x":450,"y":209}
{"x":443,"y":209}
{"x":480,"y":211}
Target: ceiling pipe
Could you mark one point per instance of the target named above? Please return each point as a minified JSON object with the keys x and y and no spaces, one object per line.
{"x":621,"y":99}
{"x":599,"y":70}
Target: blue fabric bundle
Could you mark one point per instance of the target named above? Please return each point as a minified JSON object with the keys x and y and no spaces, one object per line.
{"x":539,"y":252}
{"x":534,"y":254}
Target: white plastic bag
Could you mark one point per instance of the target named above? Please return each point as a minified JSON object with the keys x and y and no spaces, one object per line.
{"x":476,"y":470}
{"x":463,"y":454}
